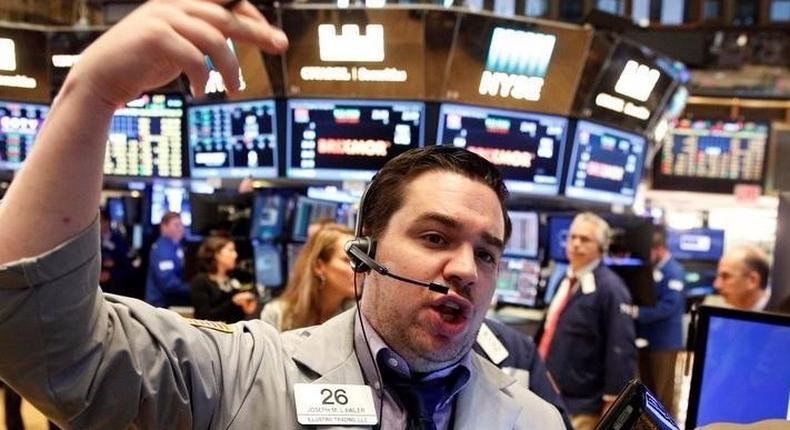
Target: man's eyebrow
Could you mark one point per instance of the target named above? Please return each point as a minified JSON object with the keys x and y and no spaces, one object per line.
{"x":453,"y":224}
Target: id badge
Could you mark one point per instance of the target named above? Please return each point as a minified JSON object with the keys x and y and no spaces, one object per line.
{"x":335,"y":404}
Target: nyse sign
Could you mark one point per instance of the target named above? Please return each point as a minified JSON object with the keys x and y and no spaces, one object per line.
{"x":519,"y":87}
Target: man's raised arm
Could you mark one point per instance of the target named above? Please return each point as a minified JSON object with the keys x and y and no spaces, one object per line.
{"x":56,"y":193}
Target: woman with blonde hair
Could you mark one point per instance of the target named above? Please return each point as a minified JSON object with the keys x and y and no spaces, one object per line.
{"x":320,"y":284}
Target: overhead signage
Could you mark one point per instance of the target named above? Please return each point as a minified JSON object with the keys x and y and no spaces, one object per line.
{"x":8,"y":64}
{"x":636,"y":81}
{"x":23,"y":69}
{"x":366,"y":53}
{"x":517,"y":63}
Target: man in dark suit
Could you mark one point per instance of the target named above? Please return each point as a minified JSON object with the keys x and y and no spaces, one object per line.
{"x":588,"y":337}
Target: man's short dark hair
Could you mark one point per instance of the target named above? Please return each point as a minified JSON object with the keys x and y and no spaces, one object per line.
{"x":659,"y":235}
{"x":169,"y":216}
{"x":386,"y":191}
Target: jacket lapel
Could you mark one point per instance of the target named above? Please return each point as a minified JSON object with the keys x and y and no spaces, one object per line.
{"x":482,"y":404}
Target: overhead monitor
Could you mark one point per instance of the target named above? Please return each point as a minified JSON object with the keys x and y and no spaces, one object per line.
{"x":268,"y":265}
{"x":703,"y":244}
{"x":308,"y":211}
{"x":349,"y":139}
{"x":527,"y":148}
{"x":24,"y":74}
{"x":712,"y":156}
{"x":517,"y":282}
{"x":700,"y":276}
{"x":632,"y":87}
{"x":605,"y":164}
{"x":354,"y":52}
{"x":19,"y":126}
{"x":145,"y":138}
{"x":524,"y":237}
{"x":741,"y":371}
{"x":515,"y":63}
{"x":233,"y":140}
{"x":268,"y":217}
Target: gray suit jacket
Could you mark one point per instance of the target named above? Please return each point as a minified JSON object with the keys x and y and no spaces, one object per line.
{"x":106,"y":362}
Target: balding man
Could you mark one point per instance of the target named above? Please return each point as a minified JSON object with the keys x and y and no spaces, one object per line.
{"x":588,"y":337}
{"x":742,"y":278}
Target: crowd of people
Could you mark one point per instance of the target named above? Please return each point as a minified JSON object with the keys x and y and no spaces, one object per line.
{"x":417,"y":357}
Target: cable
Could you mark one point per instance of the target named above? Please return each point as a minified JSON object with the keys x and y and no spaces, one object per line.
{"x":370,"y":353}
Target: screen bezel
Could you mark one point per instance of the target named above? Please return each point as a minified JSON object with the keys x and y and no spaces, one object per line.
{"x":701,"y":343}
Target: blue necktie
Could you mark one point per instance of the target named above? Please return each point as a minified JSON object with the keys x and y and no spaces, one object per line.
{"x":419,"y":398}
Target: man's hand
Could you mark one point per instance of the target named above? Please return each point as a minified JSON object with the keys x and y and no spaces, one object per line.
{"x":163,"y":38}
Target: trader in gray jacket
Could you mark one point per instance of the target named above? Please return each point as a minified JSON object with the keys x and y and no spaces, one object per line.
{"x":93,"y":361}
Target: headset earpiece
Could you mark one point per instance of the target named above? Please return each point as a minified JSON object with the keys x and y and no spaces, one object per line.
{"x":367,"y":246}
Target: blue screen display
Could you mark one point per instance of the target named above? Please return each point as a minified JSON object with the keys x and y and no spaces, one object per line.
{"x":268,"y":213}
{"x":268,"y":265}
{"x":233,"y":140}
{"x":527,"y":148}
{"x":19,"y":126}
{"x":746,"y":373}
{"x":558,"y":235}
{"x":696,"y":244}
{"x":606,"y":164}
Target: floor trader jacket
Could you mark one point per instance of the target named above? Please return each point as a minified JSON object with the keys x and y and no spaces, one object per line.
{"x":91,"y":361}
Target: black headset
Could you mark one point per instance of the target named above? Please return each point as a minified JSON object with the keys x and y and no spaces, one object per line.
{"x":361,"y":250}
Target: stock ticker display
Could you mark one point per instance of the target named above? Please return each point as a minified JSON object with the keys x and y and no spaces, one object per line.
{"x":145,"y":138}
{"x":349,"y":139}
{"x":233,"y":140}
{"x":605,"y":165}
{"x":527,"y":148}
{"x":19,"y":125}
{"x":715,"y":154}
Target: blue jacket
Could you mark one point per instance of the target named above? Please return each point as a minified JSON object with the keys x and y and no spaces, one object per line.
{"x":593,"y":351}
{"x":164,"y":286}
{"x":662,"y":324}
{"x":523,"y":362}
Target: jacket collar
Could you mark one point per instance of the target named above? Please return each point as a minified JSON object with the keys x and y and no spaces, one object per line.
{"x":483,"y":404}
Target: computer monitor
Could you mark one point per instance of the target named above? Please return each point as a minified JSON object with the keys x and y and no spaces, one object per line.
{"x":308,"y":211}
{"x":712,"y":156}
{"x":224,"y":213}
{"x":559,"y":226}
{"x":703,"y":244}
{"x":233,"y":140}
{"x":349,"y":139}
{"x":605,"y":164}
{"x":146,"y":139}
{"x":268,"y":215}
{"x":518,"y":281}
{"x":524,"y":239}
{"x":636,"y":408}
{"x":699,"y":279}
{"x":558,"y":273}
{"x":19,"y":126}
{"x":116,"y":209}
{"x":268,"y":264}
{"x":169,"y":198}
{"x":527,"y":148}
{"x":741,"y":368}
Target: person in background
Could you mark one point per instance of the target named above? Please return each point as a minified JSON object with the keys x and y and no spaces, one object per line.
{"x":320,"y":285}
{"x":116,"y":266}
{"x":742,"y":278}
{"x":164,"y":286}
{"x":216,"y":295}
{"x":662,"y":325}
{"x":588,"y":337}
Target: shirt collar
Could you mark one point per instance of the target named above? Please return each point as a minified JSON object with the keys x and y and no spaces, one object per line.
{"x":762,"y":301}
{"x":585,"y":276}
{"x":386,"y":355}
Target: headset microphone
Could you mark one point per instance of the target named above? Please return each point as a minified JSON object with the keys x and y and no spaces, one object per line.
{"x":352,"y":248}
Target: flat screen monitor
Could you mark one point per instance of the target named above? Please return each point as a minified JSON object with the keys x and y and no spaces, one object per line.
{"x":741,"y":371}
{"x":704,"y":244}
{"x":349,"y":139}
{"x":166,"y":198}
{"x":308,"y":211}
{"x":518,"y":281}
{"x":636,"y":408}
{"x":712,"y":156}
{"x":268,"y":265}
{"x":605,"y":165}
{"x":19,"y":126}
{"x":221,"y":213}
{"x":524,"y":237}
{"x":268,"y":214}
{"x":553,"y":283}
{"x":699,"y":279}
{"x":527,"y":148}
{"x":116,"y":210}
{"x":145,"y":138}
{"x":559,"y":226}
{"x":233,"y":140}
